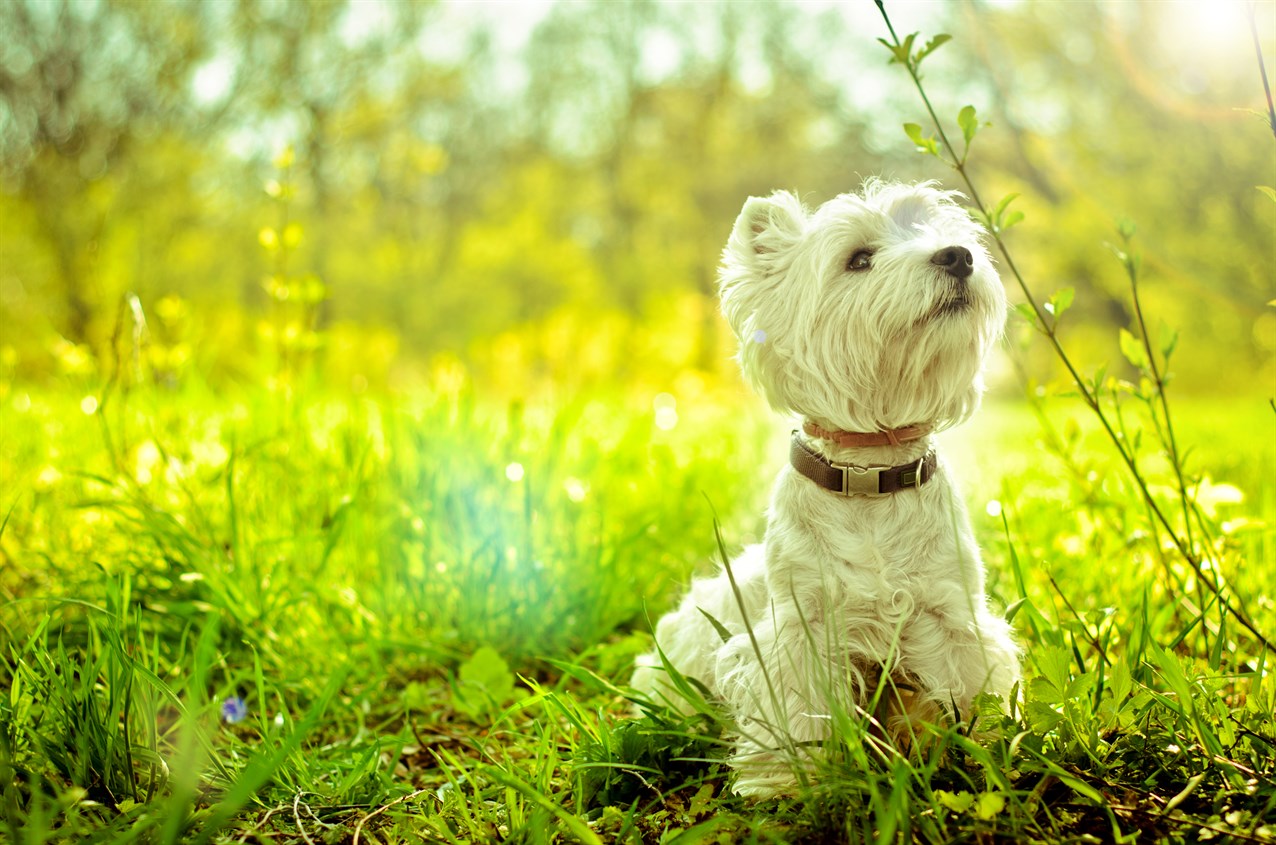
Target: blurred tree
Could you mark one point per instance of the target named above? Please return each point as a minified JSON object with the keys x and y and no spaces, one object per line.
{"x":1106,"y":122}
{"x":81,"y":87}
{"x":656,"y":105}
{"x":459,"y":178}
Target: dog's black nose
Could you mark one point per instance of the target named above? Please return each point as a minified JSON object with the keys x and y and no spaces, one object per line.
{"x":955,"y":261}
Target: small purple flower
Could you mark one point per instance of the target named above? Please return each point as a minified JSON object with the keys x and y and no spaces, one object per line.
{"x":759,"y":336}
{"x":234,"y":709}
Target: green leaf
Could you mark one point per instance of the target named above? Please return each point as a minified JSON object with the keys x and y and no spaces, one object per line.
{"x":415,"y":696}
{"x":931,"y":46}
{"x":723,"y":633}
{"x":1168,"y":341}
{"x":1079,"y":686}
{"x":701,"y":802}
{"x":1010,"y":219}
{"x":1041,"y":717}
{"x":958,"y":802}
{"x":1042,"y":690}
{"x":1133,"y":350}
{"x":1172,"y":671}
{"x":1060,"y":301}
{"x":1120,"y":683}
{"x":484,"y":683}
{"x":1054,"y":663}
{"x":924,"y":144}
{"x":898,"y":53}
{"x":1001,"y":221}
{"x":1026,"y":311}
{"x":968,"y":122}
{"x":1100,"y":377}
{"x":989,"y":805}
{"x":1005,"y":202}
{"x":489,"y":670}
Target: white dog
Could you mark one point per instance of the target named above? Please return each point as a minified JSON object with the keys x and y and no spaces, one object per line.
{"x":870,"y":318}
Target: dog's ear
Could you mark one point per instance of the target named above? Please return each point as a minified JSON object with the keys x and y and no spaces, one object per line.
{"x":766,"y":227}
{"x":754,"y":283}
{"x":757,"y":255}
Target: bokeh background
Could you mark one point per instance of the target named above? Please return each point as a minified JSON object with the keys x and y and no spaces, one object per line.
{"x":533,"y":196}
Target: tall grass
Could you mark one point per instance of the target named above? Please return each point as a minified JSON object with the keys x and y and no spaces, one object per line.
{"x":290,"y":558}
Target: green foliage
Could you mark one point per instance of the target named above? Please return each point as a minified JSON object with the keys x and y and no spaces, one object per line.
{"x":359,"y":694}
{"x":903,"y":53}
{"x":926,"y":145}
{"x":640,"y":761}
{"x":429,"y":213}
{"x":484,"y":684}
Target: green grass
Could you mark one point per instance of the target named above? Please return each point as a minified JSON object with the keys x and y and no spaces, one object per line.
{"x":429,"y":650}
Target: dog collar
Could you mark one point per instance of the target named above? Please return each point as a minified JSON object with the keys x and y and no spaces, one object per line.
{"x":889,"y":437}
{"x":850,"y":480}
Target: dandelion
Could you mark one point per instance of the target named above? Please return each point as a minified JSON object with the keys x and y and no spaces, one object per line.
{"x":514,"y":472}
{"x":234,"y":710}
{"x":993,"y":508}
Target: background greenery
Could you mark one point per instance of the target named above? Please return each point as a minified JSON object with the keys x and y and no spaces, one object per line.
{"x":360,"y":373}
{"x":513,"y":185}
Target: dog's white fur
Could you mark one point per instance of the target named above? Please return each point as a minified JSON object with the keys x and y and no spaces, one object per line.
{"x":845,"y":591}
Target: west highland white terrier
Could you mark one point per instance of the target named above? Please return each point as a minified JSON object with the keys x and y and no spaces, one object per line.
{"x":869,"y":318}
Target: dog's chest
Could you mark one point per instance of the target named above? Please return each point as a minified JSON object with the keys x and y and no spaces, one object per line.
{"x":871,"y":547}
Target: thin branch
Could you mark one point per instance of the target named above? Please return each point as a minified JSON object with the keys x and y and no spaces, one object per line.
{"x":1262,"y":68}
{"x":1048,"y":327}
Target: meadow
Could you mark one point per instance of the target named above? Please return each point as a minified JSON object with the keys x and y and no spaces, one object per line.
{"x":327,"y":617}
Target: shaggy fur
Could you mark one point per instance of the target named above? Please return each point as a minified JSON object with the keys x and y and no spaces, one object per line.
{"x":846,"y":591}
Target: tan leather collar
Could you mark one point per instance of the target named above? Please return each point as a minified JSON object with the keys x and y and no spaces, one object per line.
{"x":892,"y":437}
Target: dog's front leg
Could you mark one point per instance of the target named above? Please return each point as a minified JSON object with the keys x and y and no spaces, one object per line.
{"x":778,"y":686}
{"x":956,"y":656}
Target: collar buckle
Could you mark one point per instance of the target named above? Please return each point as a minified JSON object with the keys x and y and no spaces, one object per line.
{"x":861,"y":481}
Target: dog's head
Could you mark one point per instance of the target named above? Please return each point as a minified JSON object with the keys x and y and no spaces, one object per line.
{"x":873,"y":312}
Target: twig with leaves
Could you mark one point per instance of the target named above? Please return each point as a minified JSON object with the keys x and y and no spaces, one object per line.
{"x":1044,"y":318}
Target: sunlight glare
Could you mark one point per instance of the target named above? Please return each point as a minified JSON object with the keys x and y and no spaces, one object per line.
{"x":212,"y":80}
{"x":1216,"y":28}
{"x":576,"y":489}
{"x":666,"y":411}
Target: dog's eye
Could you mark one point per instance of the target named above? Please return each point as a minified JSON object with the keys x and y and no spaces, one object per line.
{"x":861,"y":260}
